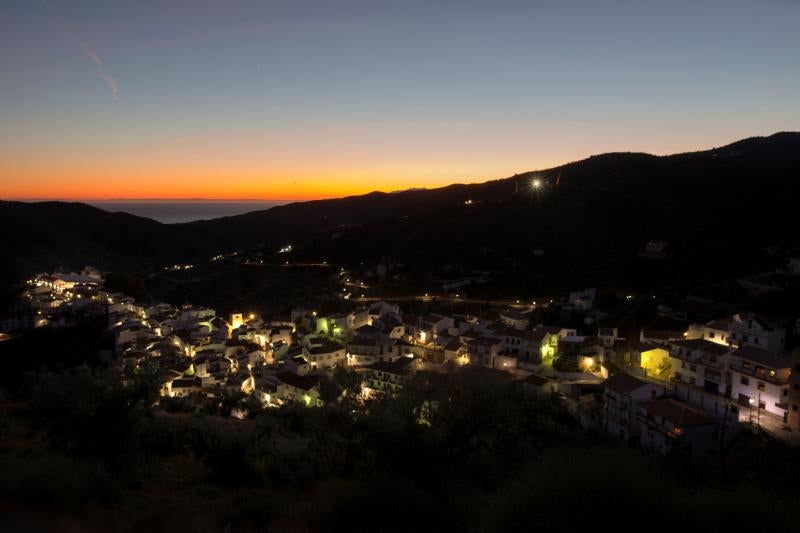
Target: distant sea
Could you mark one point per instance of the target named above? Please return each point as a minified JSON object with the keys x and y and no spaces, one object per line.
{"x":173,"y":212}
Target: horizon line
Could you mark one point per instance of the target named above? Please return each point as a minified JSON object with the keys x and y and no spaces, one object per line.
{"x":198,"y":199}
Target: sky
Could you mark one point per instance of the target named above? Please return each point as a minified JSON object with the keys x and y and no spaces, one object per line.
{"x":294,"y":99}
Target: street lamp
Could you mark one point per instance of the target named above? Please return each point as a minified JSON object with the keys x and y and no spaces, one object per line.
{"x":751,"y":402}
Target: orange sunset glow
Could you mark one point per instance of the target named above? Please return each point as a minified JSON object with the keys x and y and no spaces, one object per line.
{"x":303,"y":165}
{"x":279,"y":102}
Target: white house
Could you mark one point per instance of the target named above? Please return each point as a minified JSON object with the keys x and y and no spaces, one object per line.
{"x":384,"y":377}
{"x":361,"y":317}
{"x":607,"y":336}
{"x":297,"y":365}
{"x":301,"y":389}
{"x":483,"y":350}
{"x":340,"y":325}
{"x":527,"y":346}
{"x":362,"y":350}
{"x":700,"y":363}
{"x":753,"y":330}
{"x":621,"y":398}
{"x":717,"y":331}
{"x":324,"y":355}
{"x":761,"y":377}
{"x":433,"y":324}
{"x":381,"y":309}
{"x":667,"y":424}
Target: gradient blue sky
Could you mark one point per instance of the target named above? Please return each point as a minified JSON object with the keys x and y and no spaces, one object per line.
{"x":294,"y":99}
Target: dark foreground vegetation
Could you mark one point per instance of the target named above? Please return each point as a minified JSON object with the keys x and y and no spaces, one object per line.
{"x":80,"y":451}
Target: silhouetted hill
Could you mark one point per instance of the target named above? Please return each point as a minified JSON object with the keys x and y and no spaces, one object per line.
{"x":717,"y":210}
{"x":45,"y":235}
{"x":589,"y":224}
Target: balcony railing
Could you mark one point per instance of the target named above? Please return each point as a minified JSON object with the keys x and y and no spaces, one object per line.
{"x":716,"y":375}
{"x":653,"y":425}
{"x":699,"y":360}
{"x":762,"y":374}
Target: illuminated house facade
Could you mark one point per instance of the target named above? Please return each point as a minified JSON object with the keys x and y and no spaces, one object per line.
{"x":717,"y":331}
{"x":752,"y":330}
{"x":484,"y":350}
{"x":388,"y":377}
{"x":335,"y":325}
{"x":743,"y":330}
{"x":646,"y":358}
{"x":324,"y":354}
{"x":528,"y":346}
{"x":365,"y":351}
{"x":300,"y":389}
{"x":702,"y":364}
{"x":434,"y":324}
{"x":761,"y":380}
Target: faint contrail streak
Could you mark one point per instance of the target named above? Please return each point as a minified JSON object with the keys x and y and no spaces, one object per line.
{"x":87,"y":51}
{"x":112,"y":83}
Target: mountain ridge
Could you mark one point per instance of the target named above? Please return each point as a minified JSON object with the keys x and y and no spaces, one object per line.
{"x":624,"y":198}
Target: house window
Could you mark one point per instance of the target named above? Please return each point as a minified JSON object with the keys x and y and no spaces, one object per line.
{"x":744,"y":381}
{"x":794,"y":407}
{"x":786,"y":392}
{"x":761,"y":386}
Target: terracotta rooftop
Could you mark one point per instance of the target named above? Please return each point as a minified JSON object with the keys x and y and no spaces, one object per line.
{"x":678,"y":413}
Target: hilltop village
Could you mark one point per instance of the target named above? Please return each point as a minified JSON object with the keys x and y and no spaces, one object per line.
{"x":693,"y":389}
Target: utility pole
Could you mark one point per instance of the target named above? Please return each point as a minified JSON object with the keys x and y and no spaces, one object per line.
{"x":758,"y":411}
{"x":722,"y":436}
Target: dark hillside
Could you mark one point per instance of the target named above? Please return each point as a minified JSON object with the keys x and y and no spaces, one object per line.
{"x":589,"y":223}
